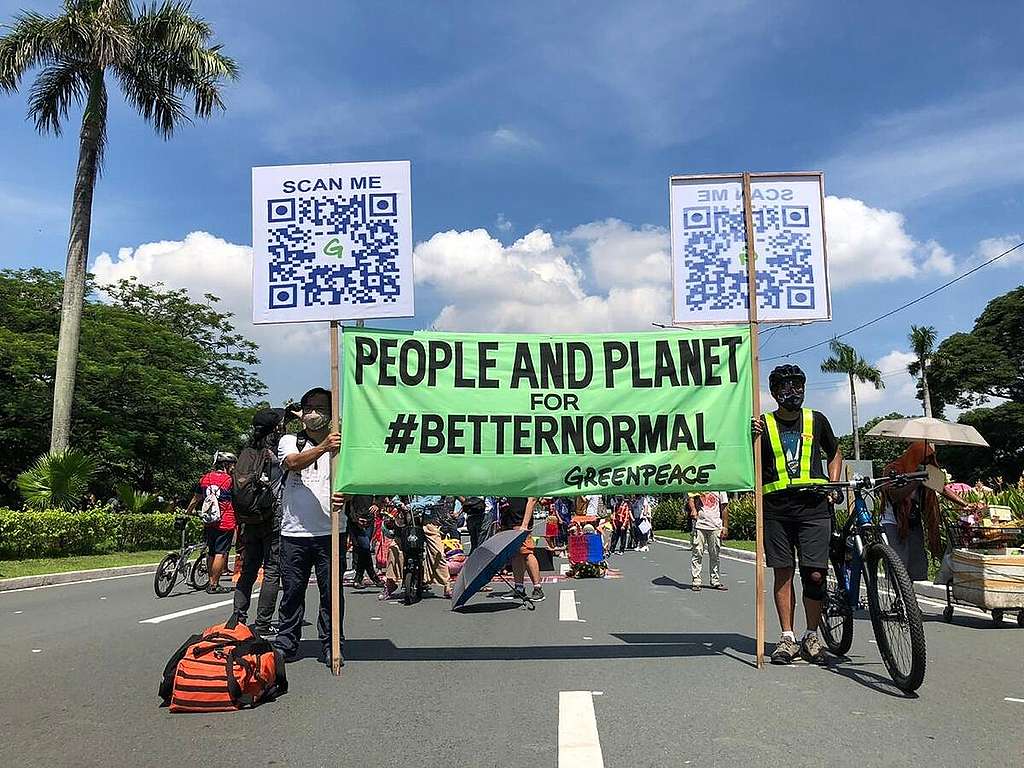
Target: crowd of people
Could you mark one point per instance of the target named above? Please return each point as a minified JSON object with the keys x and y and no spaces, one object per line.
{"x":275,"y":501}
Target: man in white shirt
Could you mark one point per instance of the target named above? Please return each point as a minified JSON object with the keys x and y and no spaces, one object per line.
{"x":306,"y":524}
{"x":710,"y":526}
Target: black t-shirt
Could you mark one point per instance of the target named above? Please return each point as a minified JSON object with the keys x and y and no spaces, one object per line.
{"x":512,"y":512}
{"x":796,"y":502}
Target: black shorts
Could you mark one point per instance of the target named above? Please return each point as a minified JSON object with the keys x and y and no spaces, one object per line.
{"x":218,"y":541}
{"x":808,"y":538}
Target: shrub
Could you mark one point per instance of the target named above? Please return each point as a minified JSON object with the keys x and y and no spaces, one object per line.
{"x":56,"y":533}
{"x":669,"y":514}
{"x":57,"y":480}
{"x":742,"y":524}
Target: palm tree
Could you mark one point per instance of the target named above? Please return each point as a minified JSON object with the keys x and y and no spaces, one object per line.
{"x":160,"y":56}
{"x":844,"y":359}
{"x":922,"y":341}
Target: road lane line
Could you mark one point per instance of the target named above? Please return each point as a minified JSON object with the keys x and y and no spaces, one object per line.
{"x":72,"y":583}
{"x":578,"y":743}
{"x":1015,"y":701}
{"x":190,"y":611}
{"x":567,"y":605}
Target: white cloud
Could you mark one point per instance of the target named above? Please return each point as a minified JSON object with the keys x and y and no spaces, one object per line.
{"x":624,"y":255}
{"x":203,"y":263}
{"x":993,"y":246}
{"x":868,"y":245}
{"x":536,"y":284}
{"x":505,"y":138}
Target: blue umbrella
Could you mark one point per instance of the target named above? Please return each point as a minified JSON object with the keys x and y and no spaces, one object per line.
{"x":484,"y":562}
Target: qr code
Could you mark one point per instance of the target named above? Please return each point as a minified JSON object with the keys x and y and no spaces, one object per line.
{"x":716,"y":280}
{"x":359,"y":236}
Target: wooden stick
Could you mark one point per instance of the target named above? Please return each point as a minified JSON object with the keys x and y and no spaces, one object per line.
{"x":335,"y":514}
{"x":755,"y":373}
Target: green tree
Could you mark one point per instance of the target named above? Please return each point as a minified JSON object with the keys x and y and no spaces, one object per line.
{"x":922,"y":342}
{"x":163,"y":383}
{"x":983,"y":370}
{"x":881,"y":450}
{"x":160,"y":56}
{"x":844,"y":359}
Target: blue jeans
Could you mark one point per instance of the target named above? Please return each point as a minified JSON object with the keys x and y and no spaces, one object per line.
{"x":301,"y":555}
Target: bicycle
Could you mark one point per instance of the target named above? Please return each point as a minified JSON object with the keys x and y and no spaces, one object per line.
{"x":861,"y":549}
{"x":179,"y":565}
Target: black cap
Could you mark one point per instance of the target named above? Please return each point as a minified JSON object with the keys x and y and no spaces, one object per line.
{"x":314,"y":391}
{"x":267,"y":419}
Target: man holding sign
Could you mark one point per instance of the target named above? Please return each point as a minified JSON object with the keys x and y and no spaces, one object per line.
{"x":797,"y":516}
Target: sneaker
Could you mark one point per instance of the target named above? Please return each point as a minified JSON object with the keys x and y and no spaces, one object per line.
{"x":696,"y":586}
{"x":811,"y":649}
{"x":537,"y":595}
{"x":785,"y":651}
{"x":515,"y":594}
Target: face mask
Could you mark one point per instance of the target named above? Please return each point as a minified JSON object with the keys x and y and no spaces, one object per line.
{"x":314,"y":421}
{"x":792,"y":401}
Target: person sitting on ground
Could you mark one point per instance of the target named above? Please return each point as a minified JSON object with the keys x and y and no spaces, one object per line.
{"x":213,"y":493}
{"x":518,"y":515}
{"x":710,"y":527}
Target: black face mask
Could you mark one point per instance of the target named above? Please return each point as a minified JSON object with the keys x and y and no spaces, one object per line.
{"x":792,"y":401}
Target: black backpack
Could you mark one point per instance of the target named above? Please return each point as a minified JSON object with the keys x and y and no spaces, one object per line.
{"x":474,"y":505}
{"x":252,"y":494}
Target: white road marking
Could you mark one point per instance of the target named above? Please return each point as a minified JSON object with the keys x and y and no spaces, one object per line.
{"x":190,"y":611}
{"x":18,"y":612}
{"x":72,"y":583}
{"x":579,"y":745}
{"x":37,"y":650}
{"x":598,"y":693}
{"x":375,"y":618}
{"x":1015,"y":701}
{"x":567,"y":605}
{"x":587,"y":637}
{"x":102,"y":597}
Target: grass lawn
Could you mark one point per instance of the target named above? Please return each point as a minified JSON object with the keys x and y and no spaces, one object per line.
{"x":10,"y":569}
{"x":750,"y":546}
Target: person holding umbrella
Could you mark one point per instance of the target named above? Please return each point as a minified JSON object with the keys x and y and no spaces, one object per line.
{"x":517,"y":514}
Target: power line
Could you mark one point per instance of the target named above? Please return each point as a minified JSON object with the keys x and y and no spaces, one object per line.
{"x":900,"y":308}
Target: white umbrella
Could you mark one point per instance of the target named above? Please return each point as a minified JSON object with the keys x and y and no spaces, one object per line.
{"x":935,"y":431}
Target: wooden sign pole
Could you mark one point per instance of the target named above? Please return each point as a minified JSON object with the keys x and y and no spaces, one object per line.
{"x":755,"y":374}
{"x":335,"y":513}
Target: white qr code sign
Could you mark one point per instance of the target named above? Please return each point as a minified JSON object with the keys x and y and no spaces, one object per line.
{"x":331,"y":242}
{"x":709,"y":268}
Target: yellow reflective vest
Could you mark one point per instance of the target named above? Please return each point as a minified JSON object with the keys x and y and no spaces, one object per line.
{"x":779,"y":455}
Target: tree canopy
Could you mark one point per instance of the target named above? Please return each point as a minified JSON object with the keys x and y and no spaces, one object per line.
{"x":984,"y":370}
{"x":163,"y":382}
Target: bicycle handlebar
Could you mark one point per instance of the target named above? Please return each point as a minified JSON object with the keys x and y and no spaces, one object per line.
{"x":867,"y":483}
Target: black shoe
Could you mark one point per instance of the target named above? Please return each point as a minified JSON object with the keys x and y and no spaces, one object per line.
{"x":785,"y":651}
{"x":537,"y":595}
{"x":515,"y":594}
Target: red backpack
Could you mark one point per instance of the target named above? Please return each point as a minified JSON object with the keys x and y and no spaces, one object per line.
{"x":224,"y":668}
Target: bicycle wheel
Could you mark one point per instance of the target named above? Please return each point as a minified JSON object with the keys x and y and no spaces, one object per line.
{"x":895,"y":617}
{"x":199,"y":573}
{"x":836,"y":622}
{"x":166,"y":574}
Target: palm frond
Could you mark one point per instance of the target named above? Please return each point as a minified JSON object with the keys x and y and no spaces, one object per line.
{"x":57,"y":480}
{"x":137,"y":502}
{"x":32,"y":40}
{"x":845,"y":360}
{"x":922,"y":340}
{"x":58,"y":86}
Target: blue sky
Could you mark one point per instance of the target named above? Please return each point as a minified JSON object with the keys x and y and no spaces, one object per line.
{"x":541,"y":140}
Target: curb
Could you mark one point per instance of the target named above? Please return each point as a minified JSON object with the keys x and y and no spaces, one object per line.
{"x":69,"y":577}
{"x":922,"y":588}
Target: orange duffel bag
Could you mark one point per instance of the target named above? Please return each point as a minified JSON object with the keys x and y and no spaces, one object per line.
{"x":224,"y":668}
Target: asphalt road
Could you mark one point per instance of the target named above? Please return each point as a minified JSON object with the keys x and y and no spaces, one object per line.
{"x":646,"y":674}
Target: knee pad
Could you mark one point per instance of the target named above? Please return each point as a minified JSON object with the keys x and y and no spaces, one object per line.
{"x":814,"y":588}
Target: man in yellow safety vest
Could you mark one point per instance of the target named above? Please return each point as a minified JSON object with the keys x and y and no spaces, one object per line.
{"x":795,"y":442}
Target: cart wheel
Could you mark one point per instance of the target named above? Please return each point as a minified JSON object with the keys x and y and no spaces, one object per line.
{"x":947,"y":614}
{"x":1020,"y":618}
{"x":997,"y":615}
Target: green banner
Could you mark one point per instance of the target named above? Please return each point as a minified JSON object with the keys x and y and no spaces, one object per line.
{"x":538,"y":415}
